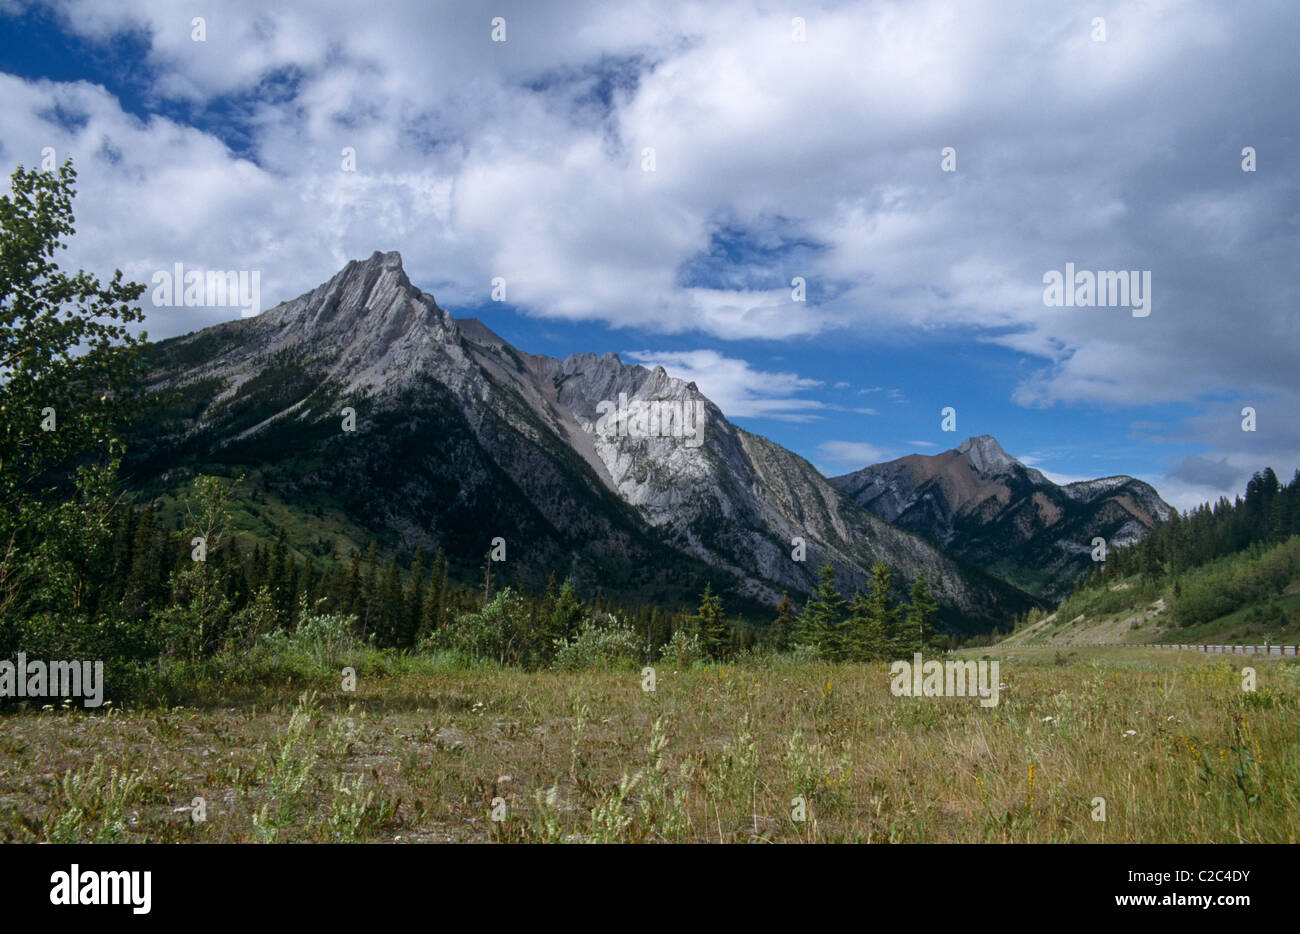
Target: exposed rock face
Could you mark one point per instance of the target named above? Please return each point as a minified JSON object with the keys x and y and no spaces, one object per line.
{"x":461,"y":437}
{"x":984,"y":506}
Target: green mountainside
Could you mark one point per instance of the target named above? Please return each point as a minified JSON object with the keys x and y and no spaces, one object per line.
{"x":1227,"y":573}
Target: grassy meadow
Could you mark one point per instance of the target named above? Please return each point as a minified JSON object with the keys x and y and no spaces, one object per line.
{"x":425,"y":751}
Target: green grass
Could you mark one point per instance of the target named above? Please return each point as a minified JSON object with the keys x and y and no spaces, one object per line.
{"x":425,"y":750}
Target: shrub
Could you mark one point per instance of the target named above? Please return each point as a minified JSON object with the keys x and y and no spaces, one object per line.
{"x":254,"y":621}
{"x":322,"y":640}
{"x":498,"y":631}
{"x":602,"y":642}
{"x":198,"y":613}
{"x":682,"y":651}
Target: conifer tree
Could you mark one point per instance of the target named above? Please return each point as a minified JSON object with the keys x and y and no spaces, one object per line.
{"x":145,"y":561}
{"x":865,"y":635}
{"x":392,"y":607}
{"x":282,"y":579}
{"x":435,"y":599}
{"x":820,"y":622}
{"x":123,"y":540}
{"x":565,"y":618}
{"x":783,"y":625}
{"x":308,"y":585}
{"x":257,"y":569}
{"x":236,"y":581}
{"x":352,"y":585}
{"x":369,"y":604}
{"x":919,"y":628}
{"x":413,"y":610}
{"x":709,"y":622}
{"x":882,"y":606}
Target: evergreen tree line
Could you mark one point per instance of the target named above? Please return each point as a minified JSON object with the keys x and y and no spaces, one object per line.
{"x":147,"y":588}
{"x":869,"y":626}
{"x":100,"y":577}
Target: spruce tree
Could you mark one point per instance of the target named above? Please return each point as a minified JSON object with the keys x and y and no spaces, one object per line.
{"x":257,"y":569}
{"x":783,"y":625}
{"x":882,"y":607}
{"x":921,"y":609}
{"x":351,"y":593}
{"x":123,"y":540}
{"x":435,"y":599}
{"x":820,"y":622}
{"x":236,"y":580}
{"x":145,"y":559}
{"x":565,"y":618}
{"x":866,"y":638}
{"x":391,"y":605}
{"x":413,"y":611}
{"x":709,"y":622}
{"x":369,"y":603}
{"x":279,"y":559}
{"x":308,"y":585}
{"x":282,"y":579}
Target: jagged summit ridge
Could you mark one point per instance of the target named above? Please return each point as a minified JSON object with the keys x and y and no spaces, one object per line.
{"x":365,"y":328}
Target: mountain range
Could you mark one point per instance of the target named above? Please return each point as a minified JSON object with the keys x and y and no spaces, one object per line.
{"x":982,"y":505}
{"x":362,"y":410}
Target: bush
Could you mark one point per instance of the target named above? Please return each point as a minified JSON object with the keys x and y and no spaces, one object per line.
{"x":197,"y":615}
{"x":321,"y":640}
{"x":602,"y":642}
{"x":1226,"y":585}
{"x":498,"y":631}
{"x":682,"y":651}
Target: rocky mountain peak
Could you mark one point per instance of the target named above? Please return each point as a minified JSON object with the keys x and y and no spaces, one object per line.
{"x":367,"y":326}
{"x":986,"y":455}
{"x":359,"y":293}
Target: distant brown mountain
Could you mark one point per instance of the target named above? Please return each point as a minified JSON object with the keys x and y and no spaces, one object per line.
{"x":982,"y":505}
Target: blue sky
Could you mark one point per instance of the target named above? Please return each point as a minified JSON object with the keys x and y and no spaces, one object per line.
{"x":775,"y":157}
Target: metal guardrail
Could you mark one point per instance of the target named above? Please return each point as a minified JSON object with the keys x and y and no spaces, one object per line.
{"x":1265,"y":649}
